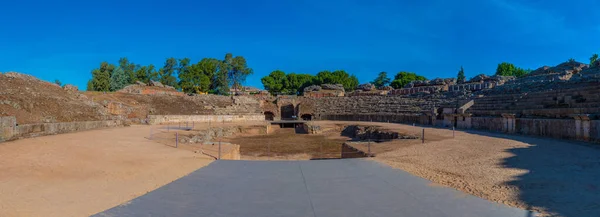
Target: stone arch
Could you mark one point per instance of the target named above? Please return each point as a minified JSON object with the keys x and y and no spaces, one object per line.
{"x":269,"y":116}
{"x":307,"y":117}
{"x":288,"y":111}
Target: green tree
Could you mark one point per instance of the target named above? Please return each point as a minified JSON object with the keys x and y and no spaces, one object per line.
{"x":508,"y":69}
{"x":167,"y":71}
{"x":221,"y":79}
{"x":192,"y":78}
{"x":297,"y":82}
{"x":593,"y":59}
{"x":129,"y":68}
{"x":57,"y":82}
{"x":90,"y":85}
{"x":381,"y":80}
{"x":460,"y":78}
{"x":209,"y":67}
{"x":275,"y":82}
{"x":101,"y":77}
{"x":152,"y":73}
{"x":118,"y":79}
{"x":403,"y":78}
{"x":350,"y":82}
{"x":141,"y":74}
{"x":237,"y":70}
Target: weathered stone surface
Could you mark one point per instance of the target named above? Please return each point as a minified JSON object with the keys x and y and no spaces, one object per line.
{"x":332,"y":86}
{"x":366,"y":87}
{"x":312,"y":88}
{"x":156,"y":84}
{"x":71,"y":88}
{"x":388,"y":88}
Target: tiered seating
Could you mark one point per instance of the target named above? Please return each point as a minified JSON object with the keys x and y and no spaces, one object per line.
{"x":550,"y":100}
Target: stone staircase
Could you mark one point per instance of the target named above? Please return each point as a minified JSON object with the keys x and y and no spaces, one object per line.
{"x":557,"y":100}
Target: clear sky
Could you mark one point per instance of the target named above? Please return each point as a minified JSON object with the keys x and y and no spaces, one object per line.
{"x":65,"y":40}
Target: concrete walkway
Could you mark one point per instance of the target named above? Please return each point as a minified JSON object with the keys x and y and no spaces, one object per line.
{"x":352,"y":187}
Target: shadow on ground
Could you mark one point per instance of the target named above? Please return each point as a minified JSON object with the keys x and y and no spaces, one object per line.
{"x":563,"y":177}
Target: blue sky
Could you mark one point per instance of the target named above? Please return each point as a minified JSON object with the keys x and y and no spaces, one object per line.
{"x":65,"y":40}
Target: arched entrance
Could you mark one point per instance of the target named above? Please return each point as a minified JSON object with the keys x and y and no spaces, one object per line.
{"x":287,"y":112}
{"x":306,"y":117}
{"x":269,"y":116}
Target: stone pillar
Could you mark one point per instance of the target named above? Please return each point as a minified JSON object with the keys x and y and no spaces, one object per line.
{"x":468,"y":122}
{"x":577,"y":127}
{"x":582,"y":127}
{"x":585,"y":125}
{"x":7,"y":127}
{"x":509,"y":123}
{"x":447,"y":120}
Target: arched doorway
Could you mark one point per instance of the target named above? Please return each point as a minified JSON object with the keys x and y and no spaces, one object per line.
{"x":287,"y":112}
{"x":306,"y":117}
{"x":269,"y":116}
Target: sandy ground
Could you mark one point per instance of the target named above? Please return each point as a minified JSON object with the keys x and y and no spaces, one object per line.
{"x":83,"y":173}
{"x":557,"y":178}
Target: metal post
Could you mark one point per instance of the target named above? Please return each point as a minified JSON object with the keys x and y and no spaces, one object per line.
{"x":321,"y":150}
{"x":452,"y":131}
{"x":423,"y":136}
{"x":176,"y":139}
{"x":219,"y":148}
{"x":369,"y":146}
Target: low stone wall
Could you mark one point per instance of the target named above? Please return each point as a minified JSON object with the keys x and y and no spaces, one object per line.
{"x":391,"y":118}
{"x":487,"y":123}
{"x":10,"y":131}
{"x":348,"y":151}
{"x":555,"y":128}
{"x":595,"y":130}
{"x":232,"y":154}
{"x":159,"y":119}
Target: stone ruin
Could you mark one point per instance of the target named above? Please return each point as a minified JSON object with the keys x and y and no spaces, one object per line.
{"x":561,"y":102}
{"x":324,"y":90}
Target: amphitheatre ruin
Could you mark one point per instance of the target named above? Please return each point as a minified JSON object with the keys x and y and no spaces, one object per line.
{"x":494,"y":145}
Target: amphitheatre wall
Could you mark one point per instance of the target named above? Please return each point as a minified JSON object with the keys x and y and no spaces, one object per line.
{"x":166,"y":119}
{"x":10,"y":130}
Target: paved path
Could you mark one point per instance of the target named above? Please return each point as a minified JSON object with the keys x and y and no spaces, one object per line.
{"x":352,"y":187}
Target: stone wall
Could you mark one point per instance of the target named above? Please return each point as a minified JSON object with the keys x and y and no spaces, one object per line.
{"x":391,"y":118}
{"x":555,"y":128}
{"x":160,"y":119}
{"x":487,"y":123}
{"x":10,"y":131}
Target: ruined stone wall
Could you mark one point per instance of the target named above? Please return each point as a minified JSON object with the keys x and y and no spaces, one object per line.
{"x":391,"y":118}
{"x":10,"y":131}
{"x":555,"y":128}
{"x":595,"y":131}
{"x":487,"y":123}
{"x":326,"y":107}
{"x":160,"y":119}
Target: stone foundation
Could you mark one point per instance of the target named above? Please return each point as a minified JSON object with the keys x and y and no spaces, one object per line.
{"x":10,"y":131}
{"x":160,"y":119}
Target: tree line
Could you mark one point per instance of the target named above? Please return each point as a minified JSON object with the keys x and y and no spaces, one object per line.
{"x":207,"y":75}
{"x":278,"y":82}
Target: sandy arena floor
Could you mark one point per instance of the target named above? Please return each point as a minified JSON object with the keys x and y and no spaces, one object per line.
{"x":557,"y":178}
{"x":79,"y":174}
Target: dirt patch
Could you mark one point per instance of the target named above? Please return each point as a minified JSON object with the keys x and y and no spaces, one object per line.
{"x":79,"y":174}
{"x":553,"y":177}
{"x":285,"y":143}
